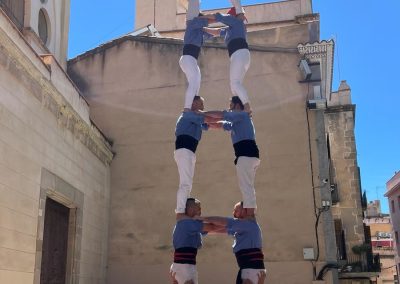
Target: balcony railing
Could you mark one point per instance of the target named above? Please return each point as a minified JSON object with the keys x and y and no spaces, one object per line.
{"x":14,"y":10}
{"x":359,"y":263}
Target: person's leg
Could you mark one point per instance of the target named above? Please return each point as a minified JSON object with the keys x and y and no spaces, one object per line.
{"x":240,"y":63}
{"x":193,"y":76}
{"x":185,"y":160}
{"x":184,"y":273}
{"x":246,"y":168}
{"x":238,"y":6}
{"x":193,"y":9}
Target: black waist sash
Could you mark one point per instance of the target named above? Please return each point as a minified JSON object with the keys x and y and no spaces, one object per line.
{"x":247,"y":148}
{"x":236,"y":44}
{"x":186,"y":255}
{"x":192,"y":50}
{"x":249,"y":258}
{"x":187,"y":142}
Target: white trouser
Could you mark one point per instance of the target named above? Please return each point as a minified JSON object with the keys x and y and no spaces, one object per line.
{"x":184,"y":272}
{"x":240,"y":63}
{"x":246,"y":168}
{"x":238,"y":6}
{"x":193,"y":9}
{"x":185,"y":160}
{"x":192,"y":71}
{"x":251,"y":274}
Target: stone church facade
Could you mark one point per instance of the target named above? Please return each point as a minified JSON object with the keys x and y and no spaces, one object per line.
{"x":93,"y":139}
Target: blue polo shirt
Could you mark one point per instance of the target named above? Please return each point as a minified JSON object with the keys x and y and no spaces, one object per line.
{"x":236,"y":27}
{"x":190,"y":123}
{"x":247,"y":234}
{"x":194,"y":33}
{"x":240,"y":124}
{"x":195,"y":36}
{"x":188,"y":233}
{"x":188,"y":130}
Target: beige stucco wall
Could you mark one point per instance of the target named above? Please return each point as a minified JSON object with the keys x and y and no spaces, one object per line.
{"x":40,"y":131}
{"x":375,"y":228}
{"x":135,"y":88}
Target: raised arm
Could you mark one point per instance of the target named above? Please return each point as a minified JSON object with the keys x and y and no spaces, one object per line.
{"x":214,"y":229}
{"x":216,"y":220}
{"x":208,"y":17}
{"x":217,"y":114}
{"x":215,"y":125}
{"x":213,"y":31}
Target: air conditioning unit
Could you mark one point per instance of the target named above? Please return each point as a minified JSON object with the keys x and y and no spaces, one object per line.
{"x":305,"y":69}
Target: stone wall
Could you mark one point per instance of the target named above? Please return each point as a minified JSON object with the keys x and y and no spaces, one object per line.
{"x":48,"y":148}
{"x":340,"y":129}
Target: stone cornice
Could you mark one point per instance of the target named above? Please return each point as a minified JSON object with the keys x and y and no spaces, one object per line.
{"x":307,"y":18}
{"x":341,"y":108}
{"x":13,"y":59}
{"x":172,"y":41}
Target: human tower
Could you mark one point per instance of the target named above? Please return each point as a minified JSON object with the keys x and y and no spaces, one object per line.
{"x":191,"y":226}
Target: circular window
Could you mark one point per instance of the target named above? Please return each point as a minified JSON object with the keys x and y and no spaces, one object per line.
{"x":43,"y":27}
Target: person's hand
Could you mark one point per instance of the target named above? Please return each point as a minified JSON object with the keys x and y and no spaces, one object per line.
{"x":173,"y":279}
{"x":261,"y":277}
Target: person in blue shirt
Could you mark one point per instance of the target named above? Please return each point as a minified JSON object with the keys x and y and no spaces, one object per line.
{"x":188,"y":132}
{"x":235,"y":35}
{"x":241,"y":127}
{"x":187,"y":239}
{"x":193,"y":40}
{"x":247,"y":244}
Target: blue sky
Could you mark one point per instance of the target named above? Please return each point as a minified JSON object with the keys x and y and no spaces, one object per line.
{"x":366,"y":55}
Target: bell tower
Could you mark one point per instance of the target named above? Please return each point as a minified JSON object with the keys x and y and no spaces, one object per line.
{"x":46,"y":26}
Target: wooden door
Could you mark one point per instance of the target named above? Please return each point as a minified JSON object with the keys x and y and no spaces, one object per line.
{"x":55,"y":243}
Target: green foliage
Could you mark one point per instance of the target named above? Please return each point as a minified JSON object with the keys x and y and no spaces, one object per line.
{"x":360,"y":249}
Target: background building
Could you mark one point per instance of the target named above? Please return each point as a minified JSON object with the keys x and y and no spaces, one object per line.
{"x":393,"y":195}
{"x":382,"y":241}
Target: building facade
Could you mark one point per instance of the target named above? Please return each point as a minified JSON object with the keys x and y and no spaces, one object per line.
{"x":54,"y":163}
{"x":393,"y":195}
{"x":135,"y":88}
{"x":355,"y":257}
{"x":114,"y":220}
{"x":382,"y":241}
